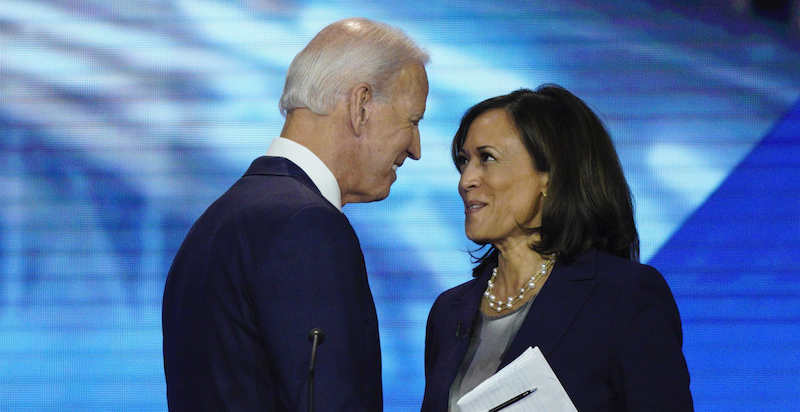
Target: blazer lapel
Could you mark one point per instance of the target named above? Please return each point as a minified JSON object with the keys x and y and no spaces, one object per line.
{"x":557,"y":305}
{"x":458,"y":327}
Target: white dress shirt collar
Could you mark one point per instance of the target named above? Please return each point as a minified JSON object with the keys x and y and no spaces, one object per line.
{"x":319,"y":173}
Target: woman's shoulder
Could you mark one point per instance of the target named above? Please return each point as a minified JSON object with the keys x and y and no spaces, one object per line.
{"x":625,"y":273}
{"x":608,"y":264}
{"x":462,"y":292}
{"x":459,"y":290}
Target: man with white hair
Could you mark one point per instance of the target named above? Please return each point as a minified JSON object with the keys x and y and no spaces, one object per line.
{"x":274,"y":257}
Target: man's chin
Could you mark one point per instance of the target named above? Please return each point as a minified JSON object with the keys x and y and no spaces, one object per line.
{"x":371,"y":197}
{"x":380,"y":196}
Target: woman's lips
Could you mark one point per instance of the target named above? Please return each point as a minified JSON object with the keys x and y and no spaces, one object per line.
{"x":473,"y":207}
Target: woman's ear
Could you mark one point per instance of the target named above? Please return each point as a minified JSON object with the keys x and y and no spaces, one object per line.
{"x":360,"y":96}
{"x":544,"y":177}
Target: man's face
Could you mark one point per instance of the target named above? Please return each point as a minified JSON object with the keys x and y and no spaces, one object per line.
{"x":391,"y":134}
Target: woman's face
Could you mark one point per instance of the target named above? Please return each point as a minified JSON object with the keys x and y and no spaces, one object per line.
{"x":499,"y":185}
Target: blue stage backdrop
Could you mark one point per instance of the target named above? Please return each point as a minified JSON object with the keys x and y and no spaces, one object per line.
{"x":123,"y":120}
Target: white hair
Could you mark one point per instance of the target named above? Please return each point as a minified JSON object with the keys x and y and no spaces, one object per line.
{"x":343,"y":54}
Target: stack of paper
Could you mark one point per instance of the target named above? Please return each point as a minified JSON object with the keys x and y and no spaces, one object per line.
{"x":528,"y":372}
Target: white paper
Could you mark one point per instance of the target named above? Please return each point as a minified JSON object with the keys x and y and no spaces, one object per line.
{"x":529,"y":371}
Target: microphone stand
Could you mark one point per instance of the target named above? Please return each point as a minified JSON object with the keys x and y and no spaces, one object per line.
{"x":316,"y":337}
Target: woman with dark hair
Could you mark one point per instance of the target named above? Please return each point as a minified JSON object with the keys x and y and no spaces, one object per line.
{"x":543,"y":187}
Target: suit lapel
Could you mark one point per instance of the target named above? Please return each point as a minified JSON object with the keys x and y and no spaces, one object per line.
{"x":459,"y":320}
{"x":558,"y":303}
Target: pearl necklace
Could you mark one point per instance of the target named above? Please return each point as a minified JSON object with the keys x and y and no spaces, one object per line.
{"x":500,"y":305}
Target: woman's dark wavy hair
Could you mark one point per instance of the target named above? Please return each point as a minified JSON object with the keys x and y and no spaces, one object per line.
{"x":588,"y":202}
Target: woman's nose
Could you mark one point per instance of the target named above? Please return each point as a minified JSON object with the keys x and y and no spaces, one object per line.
{"x":469,"y":177}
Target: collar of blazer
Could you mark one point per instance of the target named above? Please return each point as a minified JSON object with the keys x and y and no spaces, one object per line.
{"x":280,"y":166}
{"x":551,"y":314}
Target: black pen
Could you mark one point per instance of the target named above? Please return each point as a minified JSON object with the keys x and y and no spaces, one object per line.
{"x":512,"y":400}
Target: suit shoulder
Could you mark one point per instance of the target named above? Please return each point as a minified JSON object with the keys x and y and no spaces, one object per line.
{"x":271,"y":198}
{"x":262,"y":207}
{"x":630,"y":276}
{"x":615,"y":266}
{"x":283,"y":190}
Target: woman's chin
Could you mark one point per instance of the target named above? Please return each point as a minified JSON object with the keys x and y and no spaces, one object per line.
{"x":481,"y":240}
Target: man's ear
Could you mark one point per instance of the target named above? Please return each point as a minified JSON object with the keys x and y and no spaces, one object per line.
{"x":360,"y":96}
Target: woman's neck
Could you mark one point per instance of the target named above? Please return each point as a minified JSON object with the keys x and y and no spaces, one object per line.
{"x":518,"y":266}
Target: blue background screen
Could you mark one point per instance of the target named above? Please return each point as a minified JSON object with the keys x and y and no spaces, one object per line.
{"x":121,"y":121}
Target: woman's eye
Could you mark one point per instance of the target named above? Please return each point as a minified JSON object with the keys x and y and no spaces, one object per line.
{"x":486,"y":157}
{"x":461,"y":160}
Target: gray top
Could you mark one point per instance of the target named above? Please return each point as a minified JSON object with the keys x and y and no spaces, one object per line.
{"x":491,"y":337}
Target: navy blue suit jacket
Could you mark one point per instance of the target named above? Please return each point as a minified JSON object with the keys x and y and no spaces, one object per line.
{"x":267,"y":262}
{"x":609,"y":327}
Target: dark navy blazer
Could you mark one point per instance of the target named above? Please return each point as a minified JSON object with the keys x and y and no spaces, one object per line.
{"x":609,"y":327}
{"x":267,"y":262}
